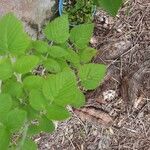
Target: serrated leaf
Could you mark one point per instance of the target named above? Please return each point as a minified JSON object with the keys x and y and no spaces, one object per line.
{"x":111,"y":6}
{"x":87,"y":54}
{"x":37,"y":100}
{"x":5,"y":105}
{"x":55,"y":112}
{"x":60,"y":87}
{"x":81,"y":35}
{"x":91,"y":75}
{"x":52,"y":65}
{"x":43,"y":125}
{"x":26,"y":64}
{"x":33,"y":82}
{"x":29,"y":145}
{"x":15,"y":124}
{"x":57,"y":52}
{"x":32,"y":114}
{"x":40,"y":46}
{"x":12,"y":36}
{"x":6,"y":70}
{"x":14,"y":88}
{"x":58,"y":30}
{"x":73,"y":58}
{"x":78,"y":100}
{"x":4,"y":138}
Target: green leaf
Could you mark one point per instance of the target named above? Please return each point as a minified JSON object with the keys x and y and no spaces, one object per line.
{"x":29,"y":145}
{"x":87,"y":54}
{"x":40,"y":46}
{"x":73,"y":58}
{"x":5,"y":105}
{"x":12,"y":37}
{"x":43,"y":125}
{"x":60,"y":87}
{"x":58,"y":30}
{"x":37,"y":100}
{"x":91,"y":75}
{"x":111,"y":6}
{"x":78,"y":99}
{"x":57,"y":52}
{"x":52,"y":65}
{"x":81,"y":35}
{"x":4,"y":138}
{"x":26,"y":64}
{"x":55,"y":112}
{"x":6,"y":70}
{"x":33,"y":82}
{"x":16,"y":119}
{"x":32,"y":114}
{"x":12,"y":87}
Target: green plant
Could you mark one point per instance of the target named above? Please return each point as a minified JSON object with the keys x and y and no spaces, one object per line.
{"x":111,"y":6}
{"x":82,"y":11}
{"x":39,"y":80}
{"x":79,"y":11}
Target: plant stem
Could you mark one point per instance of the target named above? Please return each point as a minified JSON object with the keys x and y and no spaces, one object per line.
{"x":20,"y":145}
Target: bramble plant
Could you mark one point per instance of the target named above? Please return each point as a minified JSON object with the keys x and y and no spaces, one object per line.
{"x":39,"y":79}
{"x":81,"y":11}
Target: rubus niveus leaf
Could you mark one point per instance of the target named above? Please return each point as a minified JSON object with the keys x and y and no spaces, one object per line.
{"x":111,"y":6}
{"x":5,"y":105}
{"x":81,"y":35}
{"x":6,"y":70}
{"x":58,"y":30}
{"x":29,"y":145}
{"x":87,"y":54}
{"x":12,"y":36}
{"x":33,"y":82}
{"x":13,"y":87}
{"x":26,"y":64}
{"x":55,"y":112}
{"x":40,"y":46}
{"x":4,"y":138}
{"x":52,"y":65}
{"x":43,"y":125}
{"x":37,"y":100}
{"x":60,"y":87}
{"x":91,"y":75}
{"x":57,"y":52}
{"x":16,"y":119}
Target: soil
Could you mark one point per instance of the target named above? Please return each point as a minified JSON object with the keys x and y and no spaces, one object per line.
{"x":117,"y":114}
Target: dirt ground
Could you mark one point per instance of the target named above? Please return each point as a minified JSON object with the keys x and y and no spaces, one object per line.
{"x":117,"y":114}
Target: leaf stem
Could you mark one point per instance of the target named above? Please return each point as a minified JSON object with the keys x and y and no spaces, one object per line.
{"x":23,"y":137}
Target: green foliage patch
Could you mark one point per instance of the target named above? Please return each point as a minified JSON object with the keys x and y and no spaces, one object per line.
{"x":31,"y":101}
